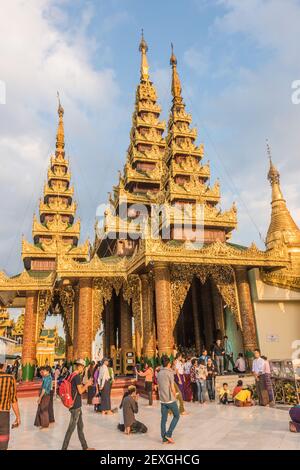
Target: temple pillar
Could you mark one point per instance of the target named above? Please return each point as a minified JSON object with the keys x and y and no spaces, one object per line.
{"x":163,"y":309}
{"x":246,"y":310}
{"x":29,"y":336}
{"x":218,"y":310}
{"x":104,"y":336}
{"x":138,"y":343}
{"x":111,"y":325}
{"x":196,"y":316}
{"x":76,"y":324}
{"x":126,"y":325}
{"x":207,"y":308}
{"x":85,"y":329}
{"x":149,"y":340}
{"x":69,"y":352}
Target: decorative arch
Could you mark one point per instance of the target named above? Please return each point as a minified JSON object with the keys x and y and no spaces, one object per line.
{"x":181,"y":277}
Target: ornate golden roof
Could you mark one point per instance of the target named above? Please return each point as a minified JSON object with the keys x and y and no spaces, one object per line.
{"x":283,"y":229}
{"x":56,"y":232}
{"x":141,"y":178}
{"x":184,"y":178}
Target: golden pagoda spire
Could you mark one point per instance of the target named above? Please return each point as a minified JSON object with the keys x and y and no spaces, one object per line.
{"x":55,"y":231}
{"x":60,"y":135}
{"x":176,"y":85}
{"x":143,"y":48}
{"x":283,"y":228}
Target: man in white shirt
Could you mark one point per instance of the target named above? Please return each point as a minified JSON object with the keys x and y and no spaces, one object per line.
{"x":240,"y":364}
{"x":258,"y":369}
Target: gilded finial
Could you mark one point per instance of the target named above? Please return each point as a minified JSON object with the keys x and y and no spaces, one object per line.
{"x":143,"y":48}
{"x":176,"y":85}
{"x":60,"y":135}
{"x":60,"y":109}
{"x":273,"y":174}
{"x":173,"y":60}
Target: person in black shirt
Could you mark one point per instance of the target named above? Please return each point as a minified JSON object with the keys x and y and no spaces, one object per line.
{"x":76,"y":412}
{"x":218,"y":356}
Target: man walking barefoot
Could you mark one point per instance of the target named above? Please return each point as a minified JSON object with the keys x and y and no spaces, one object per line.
{"x":167,"y":397}
{"x":76,"y":411}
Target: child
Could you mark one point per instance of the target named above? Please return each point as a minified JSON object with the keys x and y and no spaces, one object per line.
{"x":224,"y":394}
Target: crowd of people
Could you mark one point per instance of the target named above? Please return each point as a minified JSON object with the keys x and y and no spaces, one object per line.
{"x":186,"y":378}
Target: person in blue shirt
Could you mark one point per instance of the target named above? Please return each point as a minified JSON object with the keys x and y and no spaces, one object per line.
{"x":42,"y":415}
{"x":204,"y":357}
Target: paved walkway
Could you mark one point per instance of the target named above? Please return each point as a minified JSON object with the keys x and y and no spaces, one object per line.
{"x":210,"y":426}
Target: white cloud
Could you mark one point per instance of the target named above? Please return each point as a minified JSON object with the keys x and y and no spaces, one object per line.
{"x":257,"y":105}
{"x":38,"y":58}
{"x":197,"y":60}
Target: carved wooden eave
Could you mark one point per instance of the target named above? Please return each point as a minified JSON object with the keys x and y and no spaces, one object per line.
{"x":26,"y":282}
{"x":96,"y":267}
{"x":64,"y":193}
{"x":63,"y":209}
{"x":56,"y":227}
{"x":283,"y":278}
{"x":50,"y":250}
{"x":216,"y":253}
{"x":213,"y":217}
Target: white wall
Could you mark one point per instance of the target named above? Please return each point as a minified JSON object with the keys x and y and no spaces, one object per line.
{"x":277,"y":314}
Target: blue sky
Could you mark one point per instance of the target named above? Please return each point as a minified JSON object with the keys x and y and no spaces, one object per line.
{"x":236,"y":60}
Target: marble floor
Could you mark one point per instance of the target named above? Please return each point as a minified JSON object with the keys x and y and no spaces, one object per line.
{"x":209,"y":426}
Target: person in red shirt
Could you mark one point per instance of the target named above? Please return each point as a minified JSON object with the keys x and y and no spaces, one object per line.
{"x":238,"y":388}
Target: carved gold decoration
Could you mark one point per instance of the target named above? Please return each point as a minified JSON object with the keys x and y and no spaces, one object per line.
{"x":222,"y":276}
{"x":67,"y":297}
{"x":44,"y":302}
{"x":132,"y":293}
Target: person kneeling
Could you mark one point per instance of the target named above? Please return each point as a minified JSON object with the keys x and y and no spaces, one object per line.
{"x":295,"y":418}
{"x":128,"y":409}
{"x":243,"y":398}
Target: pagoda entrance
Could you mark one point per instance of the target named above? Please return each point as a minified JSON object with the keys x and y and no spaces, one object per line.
{"x":202,"y":318}
{"x":121,"y":341}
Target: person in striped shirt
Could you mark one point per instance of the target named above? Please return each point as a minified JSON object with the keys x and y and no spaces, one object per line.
{"x":8,"y":400}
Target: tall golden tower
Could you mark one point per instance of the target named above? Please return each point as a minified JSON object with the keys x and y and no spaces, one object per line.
{"x":140,"y":181}
{"x":283,"y":229}
{"x":185,"y":178}
{"x":55,"y":232}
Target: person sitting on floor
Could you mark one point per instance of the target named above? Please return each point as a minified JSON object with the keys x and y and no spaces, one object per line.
{"x":129,"y":406}
{"x":295,"y":418}
{"x":224,"y":394}
{"x":237,"y":388}
{"x":240,"y":365}
{"x":243,"y":398}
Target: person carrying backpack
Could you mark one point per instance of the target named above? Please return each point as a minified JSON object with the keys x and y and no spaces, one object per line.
{"x":70,"y":392}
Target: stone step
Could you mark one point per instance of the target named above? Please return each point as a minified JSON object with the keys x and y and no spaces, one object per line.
{"x":232,"y":380}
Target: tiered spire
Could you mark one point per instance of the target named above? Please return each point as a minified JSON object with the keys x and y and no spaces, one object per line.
{"x":141,"y":179}
{"x":55,"y":232}
{"x":185,"y":179}
{"x":283,"y":229}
